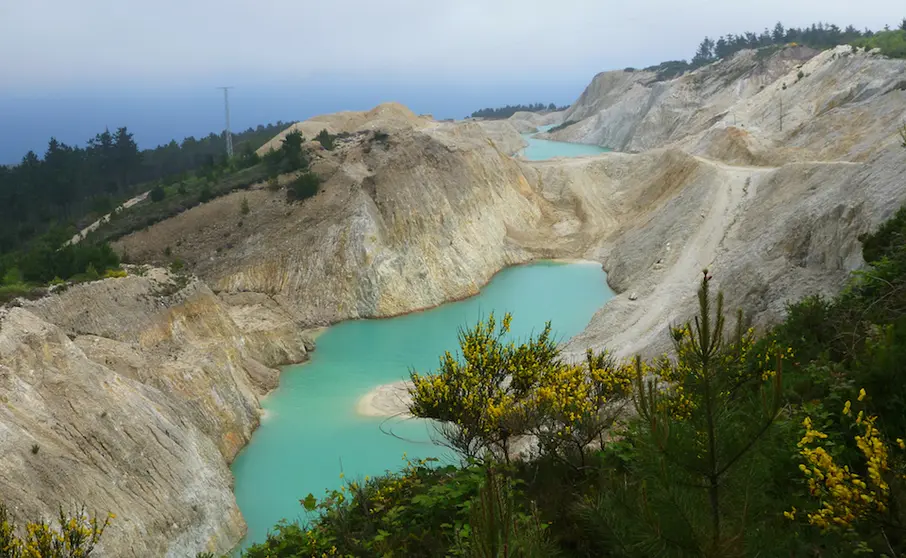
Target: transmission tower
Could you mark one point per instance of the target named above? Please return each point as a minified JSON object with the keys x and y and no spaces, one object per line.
{"x":227,"y":134}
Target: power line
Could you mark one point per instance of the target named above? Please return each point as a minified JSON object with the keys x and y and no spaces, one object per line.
{"x":227,"y":134}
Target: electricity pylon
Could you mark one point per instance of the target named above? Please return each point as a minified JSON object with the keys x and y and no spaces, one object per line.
{"x":227,"y":134}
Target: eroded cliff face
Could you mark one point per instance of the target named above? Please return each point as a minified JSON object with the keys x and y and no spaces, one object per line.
{"x":780,"y":215}
{"x":137,"y":393}
{"x":407,"y":222}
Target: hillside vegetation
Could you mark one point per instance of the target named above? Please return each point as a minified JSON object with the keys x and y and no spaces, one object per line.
{"x":33,"y":260}
{"x":509,"y":110}
{"x":69,"y":185}
{"x":818,"y":35}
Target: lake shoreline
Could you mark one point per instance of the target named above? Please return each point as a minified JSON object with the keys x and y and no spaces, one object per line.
{"x":339,"y":411}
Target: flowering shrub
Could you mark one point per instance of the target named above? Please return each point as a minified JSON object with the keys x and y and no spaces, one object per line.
{"x":74,"y":537}
{"x":500,"y":391}
{"x":843,"y":496}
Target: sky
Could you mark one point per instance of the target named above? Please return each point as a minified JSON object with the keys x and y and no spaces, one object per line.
{"x":69,"y":68}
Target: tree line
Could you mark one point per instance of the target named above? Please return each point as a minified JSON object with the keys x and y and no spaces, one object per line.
{"x":505,"y":112}
{"x":71,"y":182}
{"x":818,"y":35}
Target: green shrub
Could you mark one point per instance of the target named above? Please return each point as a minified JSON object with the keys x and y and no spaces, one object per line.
{"x":303,"y":187}
{"x":91,"y":272}
{"x":244,"y":207}
{"x":12,"y":276}
{"x":205,"y":194}
{"x":423,"y":511}
{"x":891,"y":43}
{"x":326,"y":140}
{"x":158,"y":193}
{"x":102,"y":205}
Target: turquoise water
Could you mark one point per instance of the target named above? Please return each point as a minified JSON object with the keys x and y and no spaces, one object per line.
{"x":539,"y":149}
{"x":311,"y":431}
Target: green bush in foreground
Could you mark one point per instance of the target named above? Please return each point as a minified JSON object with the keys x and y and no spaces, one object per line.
{"x":422,"y":511}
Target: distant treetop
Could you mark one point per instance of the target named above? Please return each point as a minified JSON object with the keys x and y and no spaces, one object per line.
{"x":509,"y":110}
{"x":818,"y":36}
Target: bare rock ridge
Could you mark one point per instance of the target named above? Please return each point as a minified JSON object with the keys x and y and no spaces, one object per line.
{"x":139,"y":391}
{"x":132,"y":395}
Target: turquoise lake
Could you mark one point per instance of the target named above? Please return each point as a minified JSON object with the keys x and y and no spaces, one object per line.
{"x":311,"y":431}
{"x":540,"y":150}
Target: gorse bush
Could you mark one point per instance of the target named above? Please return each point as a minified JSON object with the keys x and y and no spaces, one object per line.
{"x":74,"y":536}
{"x":503,"y":392}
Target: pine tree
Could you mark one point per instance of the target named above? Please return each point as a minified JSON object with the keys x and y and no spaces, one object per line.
{"x":705,"y":53}
{"x":693,"y":489}
{"x":779,"y":33}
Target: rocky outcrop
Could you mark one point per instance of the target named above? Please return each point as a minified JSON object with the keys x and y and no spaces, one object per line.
{"x":635,"y":111}
{"x":132,"y":396}
{"x":782,"y":215}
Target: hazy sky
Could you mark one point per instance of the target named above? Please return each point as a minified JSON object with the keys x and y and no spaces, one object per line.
{"x":52,"y":44}
{"x":445,"y":56}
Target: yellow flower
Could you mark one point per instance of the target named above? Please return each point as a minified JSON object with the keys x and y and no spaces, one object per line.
{"x":861,"y":394}
{"x":846,"y":408}
{"x":791,"y":515}
{"x":901,"y":443}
